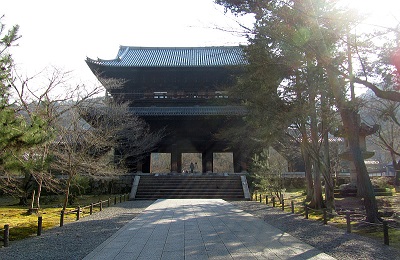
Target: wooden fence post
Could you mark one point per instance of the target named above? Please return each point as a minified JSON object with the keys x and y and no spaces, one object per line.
{"x":266,"y":199}
{"x":273,"y":201}
{"x":325,"y":218}
{"x":260,"y":198}
{"x":108,"y":202}
{"x":6,"y":238}
{"x":62,"y":218}
{"x":348,"y":222}
{"x":39,"y":226}
{"x":292,"y":206}
{"x":115,"y":200}
{"x":306,"y":211}
{"x":283,"y":204}
{"x":78,"y":213}
{"x":385,"y":233}
{"x":101,"y":205}
{"x":91,"y":209}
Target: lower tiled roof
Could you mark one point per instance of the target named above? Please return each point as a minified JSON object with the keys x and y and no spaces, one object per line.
{"x":190,"y":111}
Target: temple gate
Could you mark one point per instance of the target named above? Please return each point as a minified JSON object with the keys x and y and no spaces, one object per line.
{"x":181,"y":90}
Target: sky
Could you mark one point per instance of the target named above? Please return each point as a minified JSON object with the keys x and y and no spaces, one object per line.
{"x":63,"y":33}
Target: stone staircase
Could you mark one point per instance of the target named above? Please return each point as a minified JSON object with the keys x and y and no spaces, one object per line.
{"x":189,"y":187}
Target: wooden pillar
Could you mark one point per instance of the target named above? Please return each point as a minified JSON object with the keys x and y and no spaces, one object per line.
{"x":146,"y":164}
{"x":139,"y":166}
{"x":207,"y":161}
{"x":237,"y":161}
{"x":174,"y":158}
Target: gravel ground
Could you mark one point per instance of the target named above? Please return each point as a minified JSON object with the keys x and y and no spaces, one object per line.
{"x":75,"y":240}
{"x":331,"y":240}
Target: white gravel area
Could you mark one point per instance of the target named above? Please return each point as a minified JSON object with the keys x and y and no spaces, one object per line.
{"x":329,"y":239}
{"x":75,"y":240}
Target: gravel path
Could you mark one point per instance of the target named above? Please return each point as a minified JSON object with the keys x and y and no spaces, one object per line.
{"x":75,"y":240}
{"x":331,"y":240}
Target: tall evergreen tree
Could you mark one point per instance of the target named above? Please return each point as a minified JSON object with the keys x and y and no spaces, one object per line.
{"x":300,"y":33}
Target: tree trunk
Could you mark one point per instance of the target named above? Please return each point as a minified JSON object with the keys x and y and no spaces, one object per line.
{"x":304,"y":147}
{"x":329,"y":186}
{"x":67,"y":192}
{"x":396,"y":167}
{"x":327,"y":172}
{"x":309,"y":178}
{"x":317,"y":201}
{"x":40,"y":183}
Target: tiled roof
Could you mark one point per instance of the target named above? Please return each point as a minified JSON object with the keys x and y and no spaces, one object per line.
{"x":175,"y":57}
{"x":189,"y":111}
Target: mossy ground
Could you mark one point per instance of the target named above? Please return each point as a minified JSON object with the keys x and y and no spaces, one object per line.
{"x":22,"y":224}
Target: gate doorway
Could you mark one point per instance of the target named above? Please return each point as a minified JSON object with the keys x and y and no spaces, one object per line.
{"x":192,"y":158}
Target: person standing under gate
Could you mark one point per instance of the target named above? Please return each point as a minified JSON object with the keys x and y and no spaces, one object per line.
{"x":191,"y":167}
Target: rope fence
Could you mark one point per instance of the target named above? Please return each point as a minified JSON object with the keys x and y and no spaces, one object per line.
{"x":5,"y":238}
{"x":348,"y":216}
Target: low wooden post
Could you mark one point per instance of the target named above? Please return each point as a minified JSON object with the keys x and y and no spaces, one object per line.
{"x":115,"y":200}
{"x":91,"y":209}
{"x":325,"y":218}
{"x":101,"y":205}
{"x":39,"y":225}
{"x":281,"y":198}
{"x":260,"y":198}
{"x":385,"y":233}
{"x":283,"y":204}
{"x":306,"y":211}
{"x":348,"y":222}
{"x":62,"y":218}
{"x":78,"y":213}
{"x":273,"y":201}
{"x":292,"y":206}
{"x":108,"y":202}
{"x":6,"y":238}
{"x":266,"y":199}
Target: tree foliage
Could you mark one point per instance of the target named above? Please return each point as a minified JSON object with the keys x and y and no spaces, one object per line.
{"x":296,"y":36}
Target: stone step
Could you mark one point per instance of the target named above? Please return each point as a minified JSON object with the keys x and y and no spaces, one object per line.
{"x":155,"y":187}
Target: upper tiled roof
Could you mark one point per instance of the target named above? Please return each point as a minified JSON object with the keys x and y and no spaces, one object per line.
{"x":175,"y":57}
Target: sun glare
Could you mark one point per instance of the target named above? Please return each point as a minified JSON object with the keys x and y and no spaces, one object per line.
{"x":381,"y":13}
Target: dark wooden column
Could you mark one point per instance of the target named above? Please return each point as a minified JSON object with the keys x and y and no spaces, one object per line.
{"x":146,"y":164}
{"x":174,"y":158}
{"x":207,"y":161}
{"x":139,"y":167}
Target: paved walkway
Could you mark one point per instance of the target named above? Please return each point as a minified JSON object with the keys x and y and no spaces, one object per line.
{"x":176,"y":229}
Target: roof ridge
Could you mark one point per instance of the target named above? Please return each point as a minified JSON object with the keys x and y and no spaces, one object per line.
{"x":178,"y":47}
